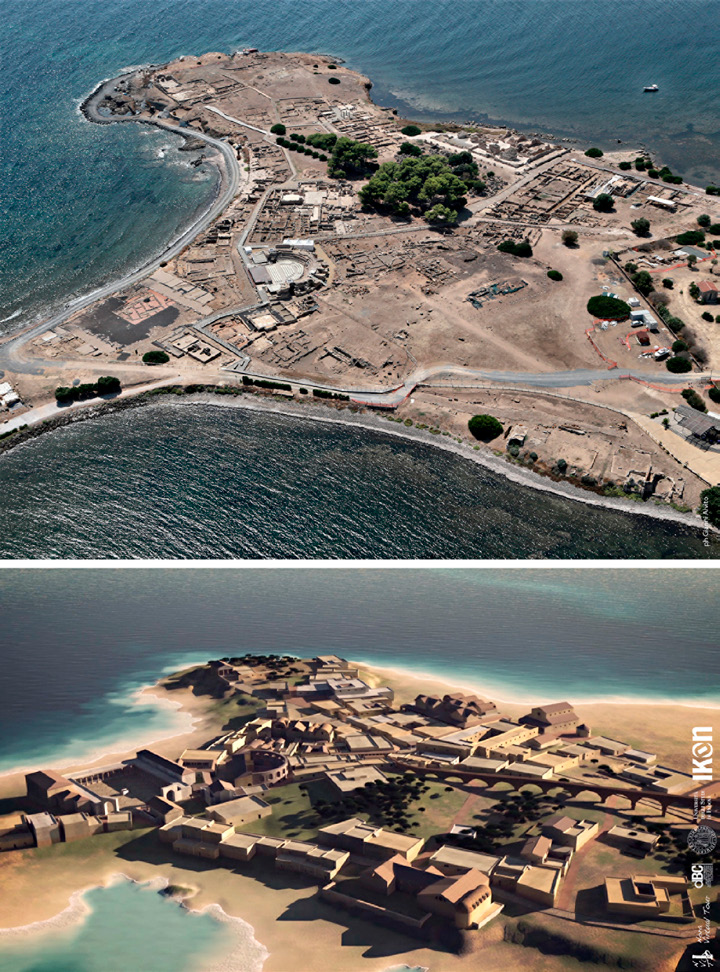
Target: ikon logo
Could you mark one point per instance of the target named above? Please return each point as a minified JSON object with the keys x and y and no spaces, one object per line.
{"x":702,"y":750}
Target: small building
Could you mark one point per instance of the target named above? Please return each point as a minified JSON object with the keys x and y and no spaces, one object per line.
{"x":15,"y":834}
{"x":77,"y":826}
{"x":165,"y":811}
{"x":465,"y":899}
{"x":202,"y":759}
{"x":555,"y":718}
{"x":477,"y":764}
{"x":456,"y":860}
{"x":639,"y":843}
{"x":639,"y":756}
{"x":571,"y":833}
{"x":662,"y":203}
{"x":240,"y":811}
{"x":305,"y":858}
{"x":44,"y":828}
{"x":348,"y":779}
{"x":360,"y":838}
{"x":708,"y":292}
{"x":641,"y":896}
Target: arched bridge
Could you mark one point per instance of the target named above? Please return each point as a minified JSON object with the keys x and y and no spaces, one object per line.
{"x":603,"y":791}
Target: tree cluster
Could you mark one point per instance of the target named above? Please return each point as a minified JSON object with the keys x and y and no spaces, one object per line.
{"x":521,"y":249}
{"x":386,"y":803}
{"x":694,"y":400}
{"x":429,"y":183}
{"x":351,"y":158}
{"x":105,"y":385}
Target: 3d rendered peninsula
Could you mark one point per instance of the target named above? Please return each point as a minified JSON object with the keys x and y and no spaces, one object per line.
{"x":404,"y":823}
{"x":481,"y":288}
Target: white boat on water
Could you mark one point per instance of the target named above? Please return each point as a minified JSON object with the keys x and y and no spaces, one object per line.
{"x":651,"y":87}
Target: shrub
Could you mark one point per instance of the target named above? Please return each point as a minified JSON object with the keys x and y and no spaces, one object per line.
{"x":105,"y":385}
{"x":561,"y":465}
{"x":714,"y":229}
{"x":608,"y":308}
{"x":712,"y":190}
{"x":704,"y":220}
{"x":554,"y":275}
{"x":411,"y":130}
{"x":485,"y":427}
{"x":710,"y":504}
{"x":694,"y":290}
{"x":522,"y":249}
{"x":667,"y":283}
{"x":278,"y":129}
{"x":694,"y":400}
{"x":569,"y":237}
{"x":678,"y":346}
{"x":630,"y":267}
{"x":641,"y":226}
{"x":408,"y":148}
{"x":594,"y":153}
{"x":690,"y":238}
{"x":624,"y":166}
{"x":678,"y":366}
{"x":714,"y":394}
{"x":604,"y":203}
{"x":155,"y":357}
{"x":333,"y":80}
{"x":707,"y":316}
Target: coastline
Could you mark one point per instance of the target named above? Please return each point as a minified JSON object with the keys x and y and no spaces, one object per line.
{"x":196,"y":722}
{"x":79,"y":911}
{"x":49,"y":890}
{"x":372,"y":422}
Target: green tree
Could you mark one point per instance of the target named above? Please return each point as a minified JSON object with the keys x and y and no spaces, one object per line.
{"x":594,"y":153}
{"x":678,"y":366}
{"x":643,"y":282}
{"x":690,"y":238}
{"x":278,"y":129}
{"x":521,"y":249}
{"x":710,"y":505}
{"x":704,"y":220}
{"x":350,"y":157}
{"x":667,"y":283}
{"x":411,"y":130}
{"x":678,"y":346}
{"x":409,"y":148}
{"x":608,"y":308}
{"x":691,"y":261}
{"x":630,"y":267}
{"x":624,"y":166}
{"x":554,"y":275}
{"x":714,"y":394}
{"x":485,"y":427}
{"x":694,"y":290}
{"x":604,"y":203}
{"x":441,"y":214}
{"x":569,"y":237}
{"x":155,"y":357}
{"x":641,"y":226}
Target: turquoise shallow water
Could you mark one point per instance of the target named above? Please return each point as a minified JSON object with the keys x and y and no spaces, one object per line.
{"x":132,"y":927}
{"x":542,"y":635}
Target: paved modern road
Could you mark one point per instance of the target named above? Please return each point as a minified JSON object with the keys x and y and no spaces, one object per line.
{"x":9,"y":357}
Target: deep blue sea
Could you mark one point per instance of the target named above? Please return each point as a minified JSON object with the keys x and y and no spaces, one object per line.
{"x":201,"y":481}
{"x":81,"y":203}
{"x":76,"y":645}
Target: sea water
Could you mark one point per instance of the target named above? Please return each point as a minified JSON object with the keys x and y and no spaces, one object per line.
{"x":94,"y":636}
{"x":195,"y":481}
{"x":84,"y":203}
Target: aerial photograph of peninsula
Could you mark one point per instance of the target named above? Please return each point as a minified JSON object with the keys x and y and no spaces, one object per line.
{"x":360,"y":280}
{"x":343,"y":770}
